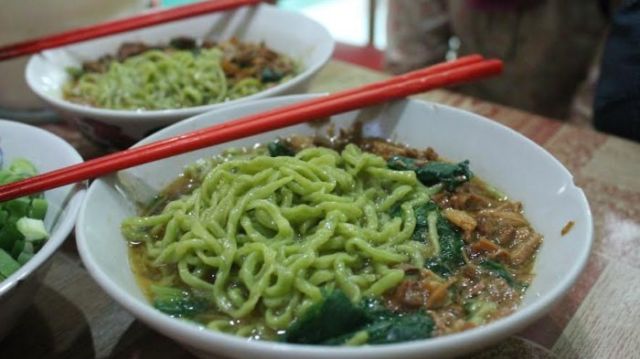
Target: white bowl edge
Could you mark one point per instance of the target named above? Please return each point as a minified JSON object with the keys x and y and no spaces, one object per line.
{"x":325,"y":51}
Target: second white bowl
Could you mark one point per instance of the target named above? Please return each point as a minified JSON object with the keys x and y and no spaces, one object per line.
{"x":287,"y":32}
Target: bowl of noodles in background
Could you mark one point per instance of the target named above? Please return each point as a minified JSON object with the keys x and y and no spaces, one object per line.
{"x":119,"y":89}
{"x":354,"y":276}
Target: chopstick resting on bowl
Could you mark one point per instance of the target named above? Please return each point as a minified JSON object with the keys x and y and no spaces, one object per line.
{"x":445,"y":74}
{"x":121,"y":25}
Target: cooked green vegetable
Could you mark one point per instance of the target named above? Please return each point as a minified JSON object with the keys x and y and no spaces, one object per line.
{"x":331,"y":318}
{"x":499,"y":270}
{"x":22,"y":230}
{"x":448,"y":242}
{"x":421,"y":232}
{"x":337,"y":321}
{"x":183,"y":43}
{"x":401,"y":163}
{"x":451,"y":175}
{"x":388,"y":327}
{"x":270,"y":75}
{"x":277,"y":148}
{"x":177,"y":302}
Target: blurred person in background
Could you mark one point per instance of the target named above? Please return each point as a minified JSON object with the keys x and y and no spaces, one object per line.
{"x":617,"y":96}
{"x":549,"y":47}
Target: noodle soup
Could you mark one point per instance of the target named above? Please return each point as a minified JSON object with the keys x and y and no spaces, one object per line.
{"x":177,"y":75}
{"x":343,"y":242}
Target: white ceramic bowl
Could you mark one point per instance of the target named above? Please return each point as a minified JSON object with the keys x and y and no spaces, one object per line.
{"x":513,"y":163}
{"x":47,"y":152}
{"x":287,"y":32}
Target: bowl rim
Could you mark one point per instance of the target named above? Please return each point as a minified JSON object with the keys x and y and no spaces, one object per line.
{"x":116,"y":116}
{"x":73,"y":205}
{"x":202,"y":338}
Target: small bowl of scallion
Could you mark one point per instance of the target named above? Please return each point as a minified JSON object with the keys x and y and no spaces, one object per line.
{"x":32,"y":228}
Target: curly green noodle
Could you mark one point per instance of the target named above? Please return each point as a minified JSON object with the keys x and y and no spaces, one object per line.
{"x":159,"y":79}
{"x":276,"y":231}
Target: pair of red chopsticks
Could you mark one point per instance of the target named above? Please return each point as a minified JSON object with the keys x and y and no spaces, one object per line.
{"x":118,"y":26}
{"x":465,"y":69}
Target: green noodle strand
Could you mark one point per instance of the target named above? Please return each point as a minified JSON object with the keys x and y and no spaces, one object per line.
{"x":266,"y":236}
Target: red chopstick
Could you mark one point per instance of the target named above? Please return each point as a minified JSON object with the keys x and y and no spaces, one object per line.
{"x":117,"y":26}
{"x":339,"y":102}
{"x":434,"y":69}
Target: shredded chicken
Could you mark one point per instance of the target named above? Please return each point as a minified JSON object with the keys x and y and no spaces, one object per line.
{"x":524,"y":251}
{"x":129,"y":49}
{"x":461,"y":219}
{"x":387,"y":150}
{"x":299,"y":143}
{"x":484,"y":245}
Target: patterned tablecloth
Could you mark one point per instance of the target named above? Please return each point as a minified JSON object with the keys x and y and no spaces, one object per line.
{"x":73,"y":318}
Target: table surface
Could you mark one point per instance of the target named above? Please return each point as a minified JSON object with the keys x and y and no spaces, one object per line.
{"x":71,"y":317}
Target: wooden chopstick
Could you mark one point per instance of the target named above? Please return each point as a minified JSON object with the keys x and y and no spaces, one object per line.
{"x":117,"y":26}
{"x":339,"y":102}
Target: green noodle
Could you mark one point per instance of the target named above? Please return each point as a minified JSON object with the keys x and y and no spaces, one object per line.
{"x":278,"y":231}
{"x":158,"y":79}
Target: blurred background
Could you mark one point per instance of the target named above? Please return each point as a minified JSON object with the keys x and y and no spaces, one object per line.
{"x":551,"y":48}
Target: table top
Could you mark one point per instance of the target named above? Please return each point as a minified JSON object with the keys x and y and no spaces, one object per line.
{"x":71,"y":317}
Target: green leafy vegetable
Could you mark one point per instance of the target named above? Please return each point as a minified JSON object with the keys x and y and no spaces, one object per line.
{"x":177,"y":302}
{"x":331,"y":318}
{"x":395,"y":328}
{"x":421,"y":232}
{"x":499,"y":270}
{"x":270,"y":75}
{"x":337,"y":321}
{"x":451,"y":175}
{"x":277,"y":148}
{"x":183,"y":43}
{"x":396,"y":211}
{"x":401,"y":163}
{"x":450,"y":244}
